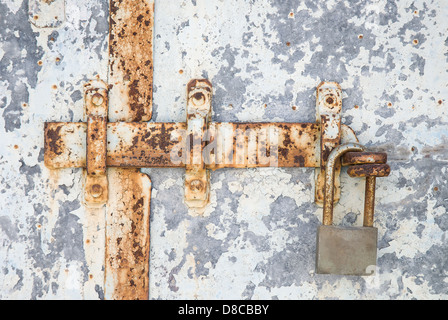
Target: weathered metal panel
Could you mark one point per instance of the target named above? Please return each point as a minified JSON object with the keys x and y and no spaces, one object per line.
{"x":46,"y":13}
{"x":49,"y":242}
{"x":265,"y":59}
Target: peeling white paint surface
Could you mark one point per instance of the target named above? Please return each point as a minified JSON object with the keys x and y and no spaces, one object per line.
{"x":256,"y":239}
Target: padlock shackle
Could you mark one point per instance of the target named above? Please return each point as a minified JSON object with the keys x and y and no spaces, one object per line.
{"x":335,"y":154}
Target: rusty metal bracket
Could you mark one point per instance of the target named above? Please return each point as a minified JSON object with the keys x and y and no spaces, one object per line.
{"x":96,"y":104}
{"x":197,"y":144}
{"x":199,"y":109}
{"x":328,"y":107}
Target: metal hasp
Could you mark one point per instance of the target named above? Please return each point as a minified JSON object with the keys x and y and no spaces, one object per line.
{"x":350,"y":250}
{"x":199,"y":109}
{"x":198,"y":144}
{"x":328,"y":115}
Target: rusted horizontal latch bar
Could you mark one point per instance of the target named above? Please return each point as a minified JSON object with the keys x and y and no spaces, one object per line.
{"x":227,"y":145}
{"x":144,"y":145}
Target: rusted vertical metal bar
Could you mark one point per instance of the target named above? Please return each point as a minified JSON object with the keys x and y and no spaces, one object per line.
{"x":369,"y":201}
{"x":127,"y":236}
{"x":127,"y":217}
{"x":328,"y":107}
{"x":130,"y":59}
{"x":96,"y":103}
{"x":371,"y":172}
{"x":199,"y":95}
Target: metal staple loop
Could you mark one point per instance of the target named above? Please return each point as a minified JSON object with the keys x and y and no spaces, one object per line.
{"x":329,"y":178}
{"x":363,"y":164}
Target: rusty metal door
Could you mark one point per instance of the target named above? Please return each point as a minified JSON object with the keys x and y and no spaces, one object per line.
{"x":256,"y":237}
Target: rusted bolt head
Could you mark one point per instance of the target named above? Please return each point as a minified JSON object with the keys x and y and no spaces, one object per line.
{"x":96,"y":190}
{"x":329,"y":100}
{"x":196,"y":185}
{"x":97,"y":99}
{"x":198,"y":98}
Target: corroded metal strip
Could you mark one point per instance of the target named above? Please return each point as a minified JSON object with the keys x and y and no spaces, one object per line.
{"x":130,"y":59}
{"x":94,"y":248}
{"x":351,"y":158}
{"x":145,"y":144}
{"x":96,"y":104}
{"x":127,"y":235}
{"x":369,"y":170}
{"x":250,"y":145}
{"x":130,"y":80}
{"x":129,"y":144}
{"x":46,"y":13}
{"x":229,"y":145}
{"x":65,"y":145}
{"x":328,"y":107}
{"x":199,"y":108}
{"x":96,"y":145}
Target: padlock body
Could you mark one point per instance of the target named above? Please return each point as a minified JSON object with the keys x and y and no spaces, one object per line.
{"x":346,"y":250}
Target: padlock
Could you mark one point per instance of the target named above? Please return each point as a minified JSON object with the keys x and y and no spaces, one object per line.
{"x":347,"y":250}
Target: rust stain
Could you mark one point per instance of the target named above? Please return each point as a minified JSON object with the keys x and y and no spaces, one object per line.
{"x":130,"y":58}
{"x":96,"y":191}
{"x":130,"y":96}
{"x":53,"y":142}
{"x":96,"y":104}
{"x":63,"y":145}
{"x":328,"y":106}
{"x":351,"y":158}
{"x":96,"y":145}
{"x":369,"y":170}
{"x":139,"y":144}
{"x":202,"y":83}
{"x":265,"y":145}
{"x":369,"y":201}
{"x":146,"y":145}
{"x":197,"y":181}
